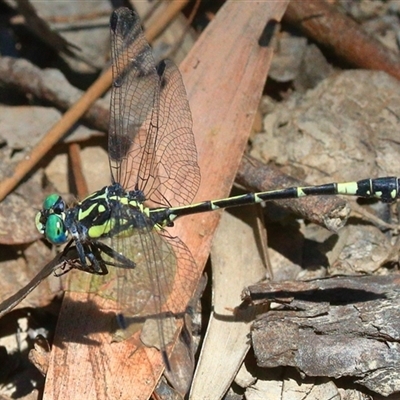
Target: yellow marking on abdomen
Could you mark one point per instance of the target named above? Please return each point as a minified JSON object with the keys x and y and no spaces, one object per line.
{"x":347,"y":188}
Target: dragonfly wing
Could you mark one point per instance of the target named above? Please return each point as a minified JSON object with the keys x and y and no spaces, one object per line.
{"x":152,"y":149}
{"x":142,"y":292}
{"x":134,"y":94}
{"x":151,"y":143}
{"x":170,"y":150}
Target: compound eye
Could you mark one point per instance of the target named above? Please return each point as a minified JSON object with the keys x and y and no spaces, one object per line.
{"x":55,"y":203}
{"x":55,"y":230}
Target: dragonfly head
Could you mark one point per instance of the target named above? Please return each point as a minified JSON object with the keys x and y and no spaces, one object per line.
{"x":50,"y":220}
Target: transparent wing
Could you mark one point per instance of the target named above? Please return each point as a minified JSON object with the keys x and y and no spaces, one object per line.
{"x":151,"y":143}
{"x":151,"y":149}
{"x":167,"y":263}
{"x":150,"y":296}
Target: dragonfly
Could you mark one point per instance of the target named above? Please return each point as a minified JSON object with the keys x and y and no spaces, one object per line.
{"x":155,"y":177}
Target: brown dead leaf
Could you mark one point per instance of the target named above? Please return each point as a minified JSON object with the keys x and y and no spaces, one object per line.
{"x":247,"y":69}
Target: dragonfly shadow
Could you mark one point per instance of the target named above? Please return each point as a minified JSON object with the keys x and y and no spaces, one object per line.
{"x":268,"y":33}
{"x":322,"y":297}
{"x":315,"y":300}
{"x":333,"y":296}
{"x":81,"y":322}
{"x":125,"y":321}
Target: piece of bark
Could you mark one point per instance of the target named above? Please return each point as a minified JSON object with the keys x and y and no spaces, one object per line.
{"x":345,"y":326}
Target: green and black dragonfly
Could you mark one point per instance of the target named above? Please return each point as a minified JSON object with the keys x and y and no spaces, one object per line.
{"x":155,"y":176}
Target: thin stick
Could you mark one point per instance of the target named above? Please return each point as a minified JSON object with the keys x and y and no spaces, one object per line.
{"x":74,"y":152}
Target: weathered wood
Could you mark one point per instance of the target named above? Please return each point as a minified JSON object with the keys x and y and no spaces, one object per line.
{"x":345,"y":326}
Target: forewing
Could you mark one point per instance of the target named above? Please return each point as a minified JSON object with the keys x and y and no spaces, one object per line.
{"x":151,"y":143}
{"x":169,"y":161}
{"x":134,"y":92}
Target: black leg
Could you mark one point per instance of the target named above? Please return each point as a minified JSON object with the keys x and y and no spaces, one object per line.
{"x":122,"y":261}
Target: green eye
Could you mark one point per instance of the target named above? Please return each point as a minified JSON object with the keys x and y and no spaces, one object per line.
{"x":55,"y":229}
{"x":55,"y":203}
{"x":50,"y":201}
{"x":50,"y":221}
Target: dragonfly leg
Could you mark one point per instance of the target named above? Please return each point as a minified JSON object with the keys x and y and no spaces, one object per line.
{"x":121,"y":260}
